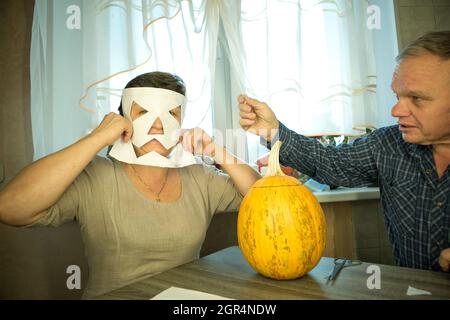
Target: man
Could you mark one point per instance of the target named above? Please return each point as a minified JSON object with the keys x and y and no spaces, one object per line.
{"x":410,"y":161}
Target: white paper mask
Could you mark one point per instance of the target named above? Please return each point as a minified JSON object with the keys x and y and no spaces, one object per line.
{"x":158,"y":103}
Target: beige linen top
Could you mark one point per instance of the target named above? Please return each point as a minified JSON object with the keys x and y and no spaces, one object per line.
{"x":128,"y":237}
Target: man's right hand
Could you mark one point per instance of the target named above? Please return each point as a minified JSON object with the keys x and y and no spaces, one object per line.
{"x":257,"y":117}
{"x":112,"y":127}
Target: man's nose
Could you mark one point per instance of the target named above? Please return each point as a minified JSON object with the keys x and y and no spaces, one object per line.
{"x":400,"y":109}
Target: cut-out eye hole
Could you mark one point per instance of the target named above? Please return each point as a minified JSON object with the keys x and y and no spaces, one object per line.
{"x":137,"y":111}
{"x":175,"y":111}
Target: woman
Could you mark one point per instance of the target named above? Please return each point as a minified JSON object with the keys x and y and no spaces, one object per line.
{"x":136,"y":220}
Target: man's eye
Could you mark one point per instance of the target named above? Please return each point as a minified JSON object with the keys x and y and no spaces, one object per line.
{"x":416,"y":99}
{"x":143,"y":112}
{"x":172,"y":113}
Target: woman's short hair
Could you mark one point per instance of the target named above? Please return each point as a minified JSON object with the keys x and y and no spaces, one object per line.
{"x":436,"y":43}
{"x":157,"y":79}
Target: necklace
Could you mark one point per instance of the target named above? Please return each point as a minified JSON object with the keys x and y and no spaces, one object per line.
{"x":158,"y":199}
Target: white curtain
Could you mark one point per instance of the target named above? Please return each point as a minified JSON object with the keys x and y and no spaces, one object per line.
{"x":78,"y":72}
{"x":311,"y":60}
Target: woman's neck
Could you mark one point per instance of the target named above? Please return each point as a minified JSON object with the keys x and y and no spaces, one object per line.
{"x":150,"y":172}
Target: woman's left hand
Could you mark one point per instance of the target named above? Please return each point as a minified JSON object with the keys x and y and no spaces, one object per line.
{"x":198,"y":142}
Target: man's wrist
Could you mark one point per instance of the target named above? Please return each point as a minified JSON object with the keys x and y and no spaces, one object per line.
{"x":270,"y":134}
{"x":274,"y":133}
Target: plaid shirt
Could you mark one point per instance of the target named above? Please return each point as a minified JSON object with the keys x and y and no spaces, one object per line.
{"x":416,"y":203}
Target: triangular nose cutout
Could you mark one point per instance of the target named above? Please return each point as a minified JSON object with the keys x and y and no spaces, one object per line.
{"x":156,"y":129}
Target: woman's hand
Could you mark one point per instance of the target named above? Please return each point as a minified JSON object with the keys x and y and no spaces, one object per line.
{"x":256,"y":117}
{"x":112,"y":127}
{"x":28,"y":196}
{"x":198,"y":142}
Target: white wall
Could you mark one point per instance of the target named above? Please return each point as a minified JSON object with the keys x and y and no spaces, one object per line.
{"x":386,"y":49}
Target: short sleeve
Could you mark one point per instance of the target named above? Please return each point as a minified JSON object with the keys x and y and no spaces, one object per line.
{"x":68,"y":206}
{"x":222,"y":193}
{"x":63,"y":211}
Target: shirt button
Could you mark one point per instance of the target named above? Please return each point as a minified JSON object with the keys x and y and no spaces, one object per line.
{"x":428,"y":171}
{"x":440,"y":204}
{"x":437,"y":243}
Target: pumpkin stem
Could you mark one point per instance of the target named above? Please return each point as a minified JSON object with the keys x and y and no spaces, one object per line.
{"x":274,"y":168}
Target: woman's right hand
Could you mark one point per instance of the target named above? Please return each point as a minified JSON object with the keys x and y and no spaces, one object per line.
{"x":24,"y":201}
{"x":112,"y":127}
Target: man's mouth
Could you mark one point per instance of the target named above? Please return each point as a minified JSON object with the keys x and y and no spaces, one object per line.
{"x":406,"y":126}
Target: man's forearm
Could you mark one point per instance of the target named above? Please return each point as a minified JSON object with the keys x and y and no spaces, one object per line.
{"x":330,"y":165}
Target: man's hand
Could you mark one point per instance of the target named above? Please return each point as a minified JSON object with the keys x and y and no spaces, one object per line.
{"x":112,"y":127}
{"x":257,"y":117}
{"x":444,"y":260}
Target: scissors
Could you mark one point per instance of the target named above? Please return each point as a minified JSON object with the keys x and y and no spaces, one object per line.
{"x":339,"y":264}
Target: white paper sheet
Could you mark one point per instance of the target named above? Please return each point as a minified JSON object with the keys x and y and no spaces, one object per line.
{"x":175,"y":293}
{"x":177,"y":158}
{"x":158,"y":103}
{"x":416,"y":292}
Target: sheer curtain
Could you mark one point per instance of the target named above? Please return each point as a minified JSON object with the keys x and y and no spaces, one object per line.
{"x":78,"y":73}
{"x":312,"y":62}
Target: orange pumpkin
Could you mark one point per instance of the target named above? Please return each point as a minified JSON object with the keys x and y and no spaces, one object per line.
{"x":281,"y":226}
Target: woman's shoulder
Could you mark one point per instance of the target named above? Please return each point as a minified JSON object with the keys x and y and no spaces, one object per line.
{"x":100,"y":163}
{"x":101,"y":171}
{"x":101,"y":168}
{"x":204,"y":170}
{"x":205,"y":174}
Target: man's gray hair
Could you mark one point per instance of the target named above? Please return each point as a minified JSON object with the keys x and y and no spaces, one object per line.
{"x":436,"y":43}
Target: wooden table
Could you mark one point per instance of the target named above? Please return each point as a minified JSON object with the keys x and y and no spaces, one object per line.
{"x":226,"y":273}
